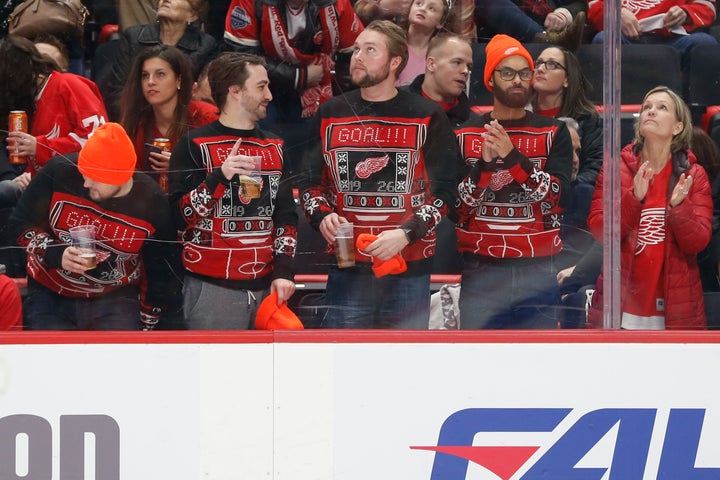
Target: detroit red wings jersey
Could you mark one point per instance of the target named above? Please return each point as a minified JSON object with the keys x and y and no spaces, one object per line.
{"x":514,"y":209}
{"x":228,"y":236}
{"x":68,"y":110}
{"x":385,"y":165}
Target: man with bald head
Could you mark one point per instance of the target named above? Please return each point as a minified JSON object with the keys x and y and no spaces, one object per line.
{"x":448,"y":63}
{"x":447,"y":68}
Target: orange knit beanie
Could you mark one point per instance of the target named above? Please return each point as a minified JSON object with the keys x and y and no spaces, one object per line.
{"x":108,"y":156}
{"x":498,"y":49}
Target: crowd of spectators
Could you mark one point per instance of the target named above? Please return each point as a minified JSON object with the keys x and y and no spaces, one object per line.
{"x":352,"y":104}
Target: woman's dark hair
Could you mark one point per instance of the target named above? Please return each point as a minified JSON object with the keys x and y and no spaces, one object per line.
{"x":200,"y":8}
{"x":706,"y":151}
{"x":19,"y":69}
{"x":575,"y":102}
{"x":137,"y":113}
{"x":57,"y":43}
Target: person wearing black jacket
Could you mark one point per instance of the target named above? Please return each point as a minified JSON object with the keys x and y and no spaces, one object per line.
{"x":12,"y":181}
{"x":12,"y":185}
{"x":447,"y":69}
{"x":176,"y":26}
{"x":561,"y":90}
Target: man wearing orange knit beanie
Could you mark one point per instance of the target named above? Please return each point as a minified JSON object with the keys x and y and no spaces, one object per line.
{"x":511,"y":201}
{"x":133,"y":279}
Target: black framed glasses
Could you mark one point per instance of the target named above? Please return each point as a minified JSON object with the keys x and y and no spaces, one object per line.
{"x":509,"y":74}
{"x":549,"y":64}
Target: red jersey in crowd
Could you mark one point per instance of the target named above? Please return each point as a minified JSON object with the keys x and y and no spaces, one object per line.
{"x":68,"y":109}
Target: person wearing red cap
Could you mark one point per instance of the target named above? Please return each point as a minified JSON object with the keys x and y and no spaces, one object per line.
{"x":447,"y":69}
{"x":385,"y":160}
{"x":237,"y":248}
{"x":135,"y":282}
{"x":511,"y":201}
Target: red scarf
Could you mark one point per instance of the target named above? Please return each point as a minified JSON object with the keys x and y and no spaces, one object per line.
{"x":276,"y":43}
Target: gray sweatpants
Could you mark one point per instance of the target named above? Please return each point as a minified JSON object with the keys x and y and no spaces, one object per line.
{"x":212,"y":307}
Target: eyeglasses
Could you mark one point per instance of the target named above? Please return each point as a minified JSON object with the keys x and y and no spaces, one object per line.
{"x":508,"y":74}
{"x":549,"y":64}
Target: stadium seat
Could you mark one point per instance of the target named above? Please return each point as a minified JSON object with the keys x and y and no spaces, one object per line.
{"x":478,"y":94}
{"x":703,"y":81}
{"x":628,"y":115}
{"x":704,"y":76}
{"x":642,"y":68}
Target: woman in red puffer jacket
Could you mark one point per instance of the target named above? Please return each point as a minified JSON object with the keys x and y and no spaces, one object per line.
{"x":666,"y":219}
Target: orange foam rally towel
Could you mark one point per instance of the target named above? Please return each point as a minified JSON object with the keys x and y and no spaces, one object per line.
{"x":381,"y":267}
{"x":271,"y":316}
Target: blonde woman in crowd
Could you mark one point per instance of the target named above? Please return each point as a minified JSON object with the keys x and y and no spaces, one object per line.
{"x":666,"y":219}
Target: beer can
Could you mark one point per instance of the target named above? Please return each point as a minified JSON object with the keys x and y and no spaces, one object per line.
{"x":165,"y":145}
{"x":17,"y":122}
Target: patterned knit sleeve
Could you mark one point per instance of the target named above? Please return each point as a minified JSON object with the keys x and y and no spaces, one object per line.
{"x":285,"y":220}
{"x":549,"y":184}
{"x":314,"y":189}
{"x":444,"y":166}
{"x":193,"y":193}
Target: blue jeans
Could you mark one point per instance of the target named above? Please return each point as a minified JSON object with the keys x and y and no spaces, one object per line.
{"x":683,"y":43}
{"x":508,"y":294}
{"x":46,"y":310}
{"x":503,"y":16}
{"x":358,"y":299}
{"x":10,"y":193}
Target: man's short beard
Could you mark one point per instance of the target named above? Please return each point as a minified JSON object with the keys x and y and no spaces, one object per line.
{"x":512,"y":100}
{"x":370,"y":81}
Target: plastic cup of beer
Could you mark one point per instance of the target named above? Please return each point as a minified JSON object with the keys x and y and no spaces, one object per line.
{"x":83,"y":237}
{"x":345,"y":246}
{"x":250,"y":185}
